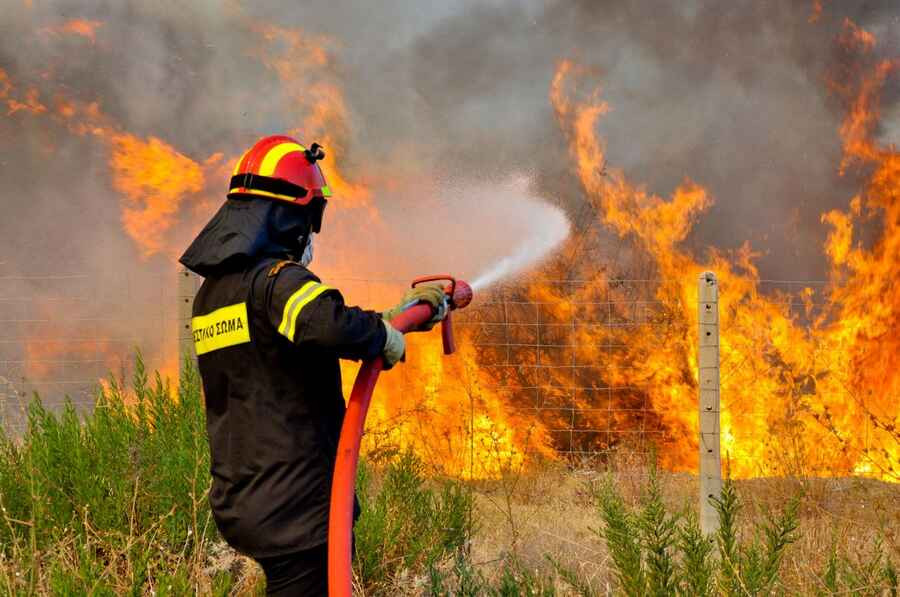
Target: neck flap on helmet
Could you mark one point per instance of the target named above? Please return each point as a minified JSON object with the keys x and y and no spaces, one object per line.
{"x":247,"y":229}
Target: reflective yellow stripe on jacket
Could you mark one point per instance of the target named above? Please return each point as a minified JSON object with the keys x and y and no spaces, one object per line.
{"x":295,"y":304}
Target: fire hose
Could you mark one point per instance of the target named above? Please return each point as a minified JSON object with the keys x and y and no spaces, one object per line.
{"x":340,"y":518}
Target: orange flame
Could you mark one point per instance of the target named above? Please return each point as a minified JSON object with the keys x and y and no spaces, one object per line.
{"x":816,"y":400}
{"x":816,"y":12}
{"x":854,"y":35}
{"x":29,"y":103}
{"x":81,"y":27}
{"x":445,"y":410}
{"x":153,"y":179}
{"x":304,"y":67}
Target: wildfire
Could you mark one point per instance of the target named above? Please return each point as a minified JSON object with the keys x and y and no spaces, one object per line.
{"x":153,"y":179}
{"x":809,"y":392}
{"x":817,"y":399}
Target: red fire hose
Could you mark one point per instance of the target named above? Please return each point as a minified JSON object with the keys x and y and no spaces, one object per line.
{"x":340,"y":521}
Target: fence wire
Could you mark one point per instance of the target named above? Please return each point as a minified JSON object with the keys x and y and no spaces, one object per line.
{"x":552,"y":359}
{"x":64,"y":333}
{"x":563,"y":356}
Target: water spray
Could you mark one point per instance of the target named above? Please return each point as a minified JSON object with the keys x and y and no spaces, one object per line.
{"x":340,"y":518}
{"x":507,"y":266}
{"x":554,"y":229}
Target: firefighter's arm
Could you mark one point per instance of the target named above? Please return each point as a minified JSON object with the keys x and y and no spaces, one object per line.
{"x":351,"y":332}
{"x":310,"y":313}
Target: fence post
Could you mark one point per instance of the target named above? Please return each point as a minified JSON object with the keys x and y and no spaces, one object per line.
{"x":186,"y":290}
{"x":708,"y":364}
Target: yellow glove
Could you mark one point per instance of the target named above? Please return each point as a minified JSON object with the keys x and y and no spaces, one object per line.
{"x":432,"y":294}
{"x":394,"y":346}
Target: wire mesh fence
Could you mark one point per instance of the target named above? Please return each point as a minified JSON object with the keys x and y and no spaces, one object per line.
{"x":64,"y":333}
{"x":552,"y":357}
{"x":540,"y":372}
{"x":803,"y":394}
{"x":596,"y":366}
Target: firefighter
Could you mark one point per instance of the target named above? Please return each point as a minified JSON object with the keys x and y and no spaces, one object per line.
{"x":268,"y":335}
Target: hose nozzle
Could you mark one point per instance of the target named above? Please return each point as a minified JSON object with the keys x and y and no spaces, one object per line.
{"x":459,"y":295}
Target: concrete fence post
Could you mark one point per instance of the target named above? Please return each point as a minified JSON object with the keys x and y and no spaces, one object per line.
{"x":708,"y":365}
{"x":186,"y":290}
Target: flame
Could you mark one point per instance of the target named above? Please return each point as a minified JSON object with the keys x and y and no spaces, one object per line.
{"x":153,"y":179}
{"x":81,"y":27}
{"x":864,"y":323}
{"x":62,"y":354}
{"x":5,"y":84}
{"x":815,"y":398}
{"x":854,"y":36}
{"x":446,"y":410}
{"x":811,"y":399}
{"x":816,"y":12}
{"x":305,"y":68}
{"x":29,"y":102}
{"x":47,"y":358}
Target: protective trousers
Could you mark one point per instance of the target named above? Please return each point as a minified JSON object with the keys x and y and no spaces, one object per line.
{"x":301,"y":574}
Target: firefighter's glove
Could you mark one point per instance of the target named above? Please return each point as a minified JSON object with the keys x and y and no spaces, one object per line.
{"x":432,"y":294}
{"x":394,"y":346}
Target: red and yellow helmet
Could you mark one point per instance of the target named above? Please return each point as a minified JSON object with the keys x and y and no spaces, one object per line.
{"x":279,"y":168}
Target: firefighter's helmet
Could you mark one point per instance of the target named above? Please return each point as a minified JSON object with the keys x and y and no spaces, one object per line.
{"x":281,"y":169}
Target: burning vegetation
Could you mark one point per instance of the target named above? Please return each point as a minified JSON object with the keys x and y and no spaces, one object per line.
{"x":121,"y":125}
{"x":804,"y":393}
{"x":807,"y":389}
{"x":810,"y":375}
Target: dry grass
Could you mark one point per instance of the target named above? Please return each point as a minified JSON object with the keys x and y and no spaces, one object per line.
{"x":553,"y":512}
{"x":117,"y":504}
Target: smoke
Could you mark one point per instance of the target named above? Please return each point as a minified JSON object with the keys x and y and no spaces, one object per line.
{"x":543,"y":228}
{"x":732,"y":96}
{"x":431,"y":109}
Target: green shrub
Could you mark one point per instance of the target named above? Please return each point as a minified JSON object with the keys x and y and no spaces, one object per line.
{"x":868,"y":571}
{"x":751,"y":568}
{"x":655,"y":552}
{"x":407,"y":525}
{"x":697,"y":568}
{"x":113,"y":501}
{"x":463,"y":579}
{"x":620,"y":531}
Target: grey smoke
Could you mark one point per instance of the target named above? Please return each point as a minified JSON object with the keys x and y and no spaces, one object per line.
{"x":730,"y":95}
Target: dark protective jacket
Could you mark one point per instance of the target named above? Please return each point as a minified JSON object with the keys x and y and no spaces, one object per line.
{"x":268,"y":336}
